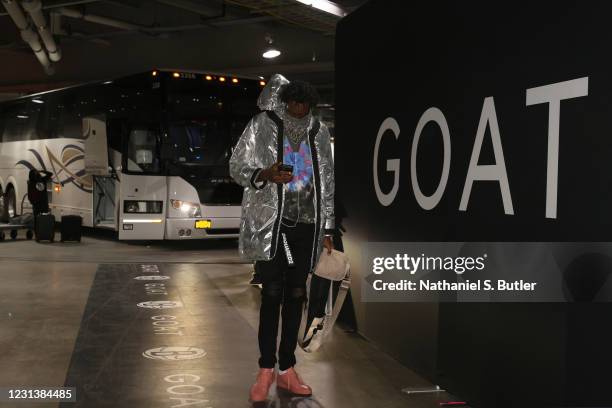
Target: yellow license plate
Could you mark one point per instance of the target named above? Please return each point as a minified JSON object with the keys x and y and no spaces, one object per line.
{"x":202,"y":224}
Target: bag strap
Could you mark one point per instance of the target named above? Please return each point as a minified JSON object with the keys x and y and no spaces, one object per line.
{"x":332,"y":311}
{"x":345,"y":284}
{"x":329,"y":305}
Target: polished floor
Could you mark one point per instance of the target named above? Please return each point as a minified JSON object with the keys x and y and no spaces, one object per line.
{"x":163,"y":325}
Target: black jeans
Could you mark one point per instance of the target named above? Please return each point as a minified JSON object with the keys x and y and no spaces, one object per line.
{"x":286,"y":286}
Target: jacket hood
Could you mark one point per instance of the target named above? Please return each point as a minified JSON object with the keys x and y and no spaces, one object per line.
{"x":269,"y":96}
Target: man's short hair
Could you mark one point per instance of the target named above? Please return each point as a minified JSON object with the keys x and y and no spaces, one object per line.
{"x":299,"y":91}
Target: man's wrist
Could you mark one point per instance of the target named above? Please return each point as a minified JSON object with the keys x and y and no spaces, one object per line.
{"x":256,"y":181}
{"x":262,"y":175}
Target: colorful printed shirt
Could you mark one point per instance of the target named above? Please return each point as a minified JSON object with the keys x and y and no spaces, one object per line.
{"x":299,"y":192}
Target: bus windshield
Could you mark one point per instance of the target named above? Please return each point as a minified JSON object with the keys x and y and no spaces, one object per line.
{"x":202,"y":142}
{"x":205,"y":120}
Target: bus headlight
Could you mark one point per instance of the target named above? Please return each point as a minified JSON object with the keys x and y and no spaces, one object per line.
{"x":191,"y":210}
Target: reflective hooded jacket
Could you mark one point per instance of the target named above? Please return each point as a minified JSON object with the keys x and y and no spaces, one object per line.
{"x":259,"y":147}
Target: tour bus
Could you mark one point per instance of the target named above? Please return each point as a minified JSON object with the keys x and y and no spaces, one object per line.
{"x":145,"y":155}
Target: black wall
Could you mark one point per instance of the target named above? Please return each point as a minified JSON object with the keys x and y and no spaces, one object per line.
{"x":397,"y":59}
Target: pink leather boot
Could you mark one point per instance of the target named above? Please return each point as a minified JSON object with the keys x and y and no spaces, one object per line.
{"x":259,"y":390}
{"x":291,"y":382}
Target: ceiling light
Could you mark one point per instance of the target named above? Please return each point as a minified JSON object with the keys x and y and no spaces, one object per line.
{"x":222,"y":79}
{"x":235,"y":80}
{"x":271,"y":53}
{"x":326,"y":6}
{"x":37,"y":101}
{"x":22,"y":116}
{"x":208,"y":78}
{"x":176,"y":75}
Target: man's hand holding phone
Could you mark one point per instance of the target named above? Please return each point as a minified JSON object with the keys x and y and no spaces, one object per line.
{"x":278,"y":173}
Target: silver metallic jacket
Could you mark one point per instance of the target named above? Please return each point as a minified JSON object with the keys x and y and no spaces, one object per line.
{"x":259,"y":147}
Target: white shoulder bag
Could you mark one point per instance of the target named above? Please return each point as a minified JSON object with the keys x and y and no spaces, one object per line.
{"x":335,"y":268}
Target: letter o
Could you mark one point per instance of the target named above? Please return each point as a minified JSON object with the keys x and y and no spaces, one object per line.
{"x":166,"y":323}
{"x":181,"y":378}
{"x":392,"y":164}
{"x":432,"y":114}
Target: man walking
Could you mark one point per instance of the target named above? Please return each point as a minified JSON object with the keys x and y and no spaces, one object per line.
{"x":283,"y":160}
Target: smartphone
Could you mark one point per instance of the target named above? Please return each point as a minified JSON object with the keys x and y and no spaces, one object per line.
{"x":285,"y":167}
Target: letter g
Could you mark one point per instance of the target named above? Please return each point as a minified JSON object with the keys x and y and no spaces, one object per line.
{"x":392,"y":164}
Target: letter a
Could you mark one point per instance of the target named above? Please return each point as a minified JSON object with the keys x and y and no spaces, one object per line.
{"x":495,"y":172}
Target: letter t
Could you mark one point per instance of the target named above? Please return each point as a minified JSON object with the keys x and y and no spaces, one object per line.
{"x":553,"y":94}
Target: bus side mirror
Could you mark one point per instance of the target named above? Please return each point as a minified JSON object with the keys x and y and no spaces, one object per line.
{"x":96,"y":145}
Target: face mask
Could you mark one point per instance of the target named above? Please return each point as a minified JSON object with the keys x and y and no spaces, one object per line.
{"x":295,"y":128}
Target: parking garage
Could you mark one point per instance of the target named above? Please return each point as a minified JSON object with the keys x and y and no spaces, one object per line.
{"x":198,"y":200}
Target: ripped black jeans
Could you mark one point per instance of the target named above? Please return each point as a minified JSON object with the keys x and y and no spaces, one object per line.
{"x":284,"y":288}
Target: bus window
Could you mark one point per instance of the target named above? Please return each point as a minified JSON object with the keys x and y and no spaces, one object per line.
{"x":20,"y":123}
{"x":142,"y":152}
{"x":200,"y":142}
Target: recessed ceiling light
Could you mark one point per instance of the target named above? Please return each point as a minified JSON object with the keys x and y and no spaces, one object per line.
{"x":271,"y":53}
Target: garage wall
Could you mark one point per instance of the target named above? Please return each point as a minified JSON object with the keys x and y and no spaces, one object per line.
{"x":397,"y":59}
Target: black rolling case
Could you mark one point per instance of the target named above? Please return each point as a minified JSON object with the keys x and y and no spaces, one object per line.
{"x":71,"y":228}
{"x":45,"y":227}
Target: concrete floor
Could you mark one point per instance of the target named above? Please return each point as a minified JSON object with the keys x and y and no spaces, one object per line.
{"x":70,"y":315}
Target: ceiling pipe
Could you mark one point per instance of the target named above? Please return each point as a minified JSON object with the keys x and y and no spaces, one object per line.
{"x":68,"y":3}
{"x":92,"y":18}
{"x":216,"y":21}
{"x":161,"y":31}
{"x":27,"y":34}
{"x":34,"y":9}
{"x":62,"y":4}
{"x":198,"y":8}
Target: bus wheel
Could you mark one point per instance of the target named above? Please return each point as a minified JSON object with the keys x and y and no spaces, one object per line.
{"x":13,"y":234}
{"x":29,"y":234}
